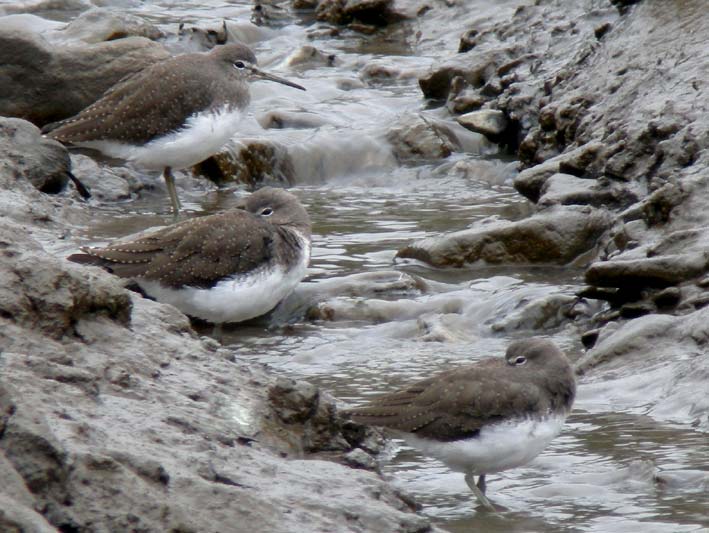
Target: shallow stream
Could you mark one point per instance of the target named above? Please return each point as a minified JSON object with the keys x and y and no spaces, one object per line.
{"x":601,"y":474}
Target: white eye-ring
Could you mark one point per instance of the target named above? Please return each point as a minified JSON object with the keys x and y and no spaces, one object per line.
{"x":239,"y":64}
{"x":266,"y":212}
{"x":519,"y":360}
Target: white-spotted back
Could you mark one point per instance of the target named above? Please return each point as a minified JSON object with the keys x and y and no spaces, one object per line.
{"x":203,"y":135}
{"x":238,"y":298}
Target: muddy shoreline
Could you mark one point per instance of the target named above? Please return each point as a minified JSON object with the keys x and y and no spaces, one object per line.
{"x":115,"y":414}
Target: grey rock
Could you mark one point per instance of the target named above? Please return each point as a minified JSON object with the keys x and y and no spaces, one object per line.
{"x":377,"y":12}
{"x":309,"y":56}
{"x":18,"y":518}
{"x":357,"y":12}
{"x":464,"y":101}
{"x":358,"y":458}
{"x":377,"y":311}
{"x":207,"y":35}
{"x":544,"y":313}
{"x":376,"y":72}
{"x":101,"y":24}
{"x":555,"y":236}
{"x":490,"y":122}
{"x":636,"y":309}
{"x":419,"y":138}
{"x":107,"y":184}
{"x":566,"y":190}
{"x":659,"y":271}
{"x":279,"y":119}
{"x":529,"y":182}
{"x":327,"y":298}
{"x":28,"y":22}
{"x":67,"y":294}
{"x":474,"y":68}
{"x":65,"y":7}
{"x":655,"y":363}
{"x":252,"y":162}
{"x":115,"y":416}
{"x":656,"y":208}
{"x":64,"y":79}
{"x":25,"y":153}
{"x":667,"y":298}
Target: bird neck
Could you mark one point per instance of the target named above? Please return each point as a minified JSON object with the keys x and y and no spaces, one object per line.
{"x":293,"y":243}
{"x":560,"y":382}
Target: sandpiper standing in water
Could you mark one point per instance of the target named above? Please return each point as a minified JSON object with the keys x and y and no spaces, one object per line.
{"x":171,"y":115}
{"x":223,"y":268}
{"x":496,"y":414}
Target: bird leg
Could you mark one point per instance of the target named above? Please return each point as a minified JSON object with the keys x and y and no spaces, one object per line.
{"x":217,"y":333}
{"x":481,"y":483}
{"x":479,"y":490}
{"x":172,"y":190}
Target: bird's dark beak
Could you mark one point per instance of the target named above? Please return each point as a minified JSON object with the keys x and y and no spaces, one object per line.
{"x":261,"y":75}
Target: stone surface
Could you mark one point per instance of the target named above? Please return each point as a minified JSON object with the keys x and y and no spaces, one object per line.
{"x":601,"y":99}
{"x":529,"y":182}
{"x":280,"y":119}
{"x":671,"y":367}
{"x":356,"y":12}
{"x":650,"y":272}
{"x":309,"y":56}
{"x":27,"y":155}
{"x":64,"y":79}
{"x":106,"y":183}
{"x":101,"y":24}
{"x":557,"y":236}
{"x":116,"y":416}
{"x":490,"y":122}
{"x":419,"y":138}
{"x":474,"y":69}
{"x":252,"y":162}
{"x":566,"y":189}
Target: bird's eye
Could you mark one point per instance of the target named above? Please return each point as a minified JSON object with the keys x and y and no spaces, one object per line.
{"x":266,"y":212}
{"x":239,"y":64}
{"x":519,"y":360}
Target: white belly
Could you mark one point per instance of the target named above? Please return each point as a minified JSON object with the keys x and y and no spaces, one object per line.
{"x":202,"y":136}
{"x":500,"y":447}
{"x":233,"y":300}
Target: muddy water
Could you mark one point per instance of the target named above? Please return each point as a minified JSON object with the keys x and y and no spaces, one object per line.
{"x":609,"y":471}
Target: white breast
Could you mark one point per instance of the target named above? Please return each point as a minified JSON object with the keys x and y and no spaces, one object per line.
{"x":498,"y":447}
{"x":202,"y":135}
{"x":235,"y":299}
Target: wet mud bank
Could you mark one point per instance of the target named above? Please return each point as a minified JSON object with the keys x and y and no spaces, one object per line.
{"x":115,"y":414}
{"x":608,"y":112}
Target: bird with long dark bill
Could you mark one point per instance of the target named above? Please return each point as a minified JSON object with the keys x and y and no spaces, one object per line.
{"x":490,"y":416}
{"x":172,"y":114}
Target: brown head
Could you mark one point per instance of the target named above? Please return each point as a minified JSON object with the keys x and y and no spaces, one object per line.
{"x":547,"y":362}
{"x":279,"y":207}
{"x":239,"y":58}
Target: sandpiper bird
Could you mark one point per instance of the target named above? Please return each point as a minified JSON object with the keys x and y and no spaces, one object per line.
{"x":227,"y":267}
{"x":171,"y":115}
{"x":496,"y":414}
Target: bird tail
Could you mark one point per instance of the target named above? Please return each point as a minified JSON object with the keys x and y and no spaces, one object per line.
{"x":80,"y":187}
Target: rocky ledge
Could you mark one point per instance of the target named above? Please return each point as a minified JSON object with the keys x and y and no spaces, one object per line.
{"x":115,"y":415}
{"x":159,"y":429}
{"x":605,"y":107}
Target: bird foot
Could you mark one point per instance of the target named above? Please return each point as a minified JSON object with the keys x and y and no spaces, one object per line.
{"x":478,"y":490}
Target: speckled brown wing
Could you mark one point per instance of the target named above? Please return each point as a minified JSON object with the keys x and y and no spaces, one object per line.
{"x":142,"y":106}
{"x":196,"y":253}
{"x":453,"y":404}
